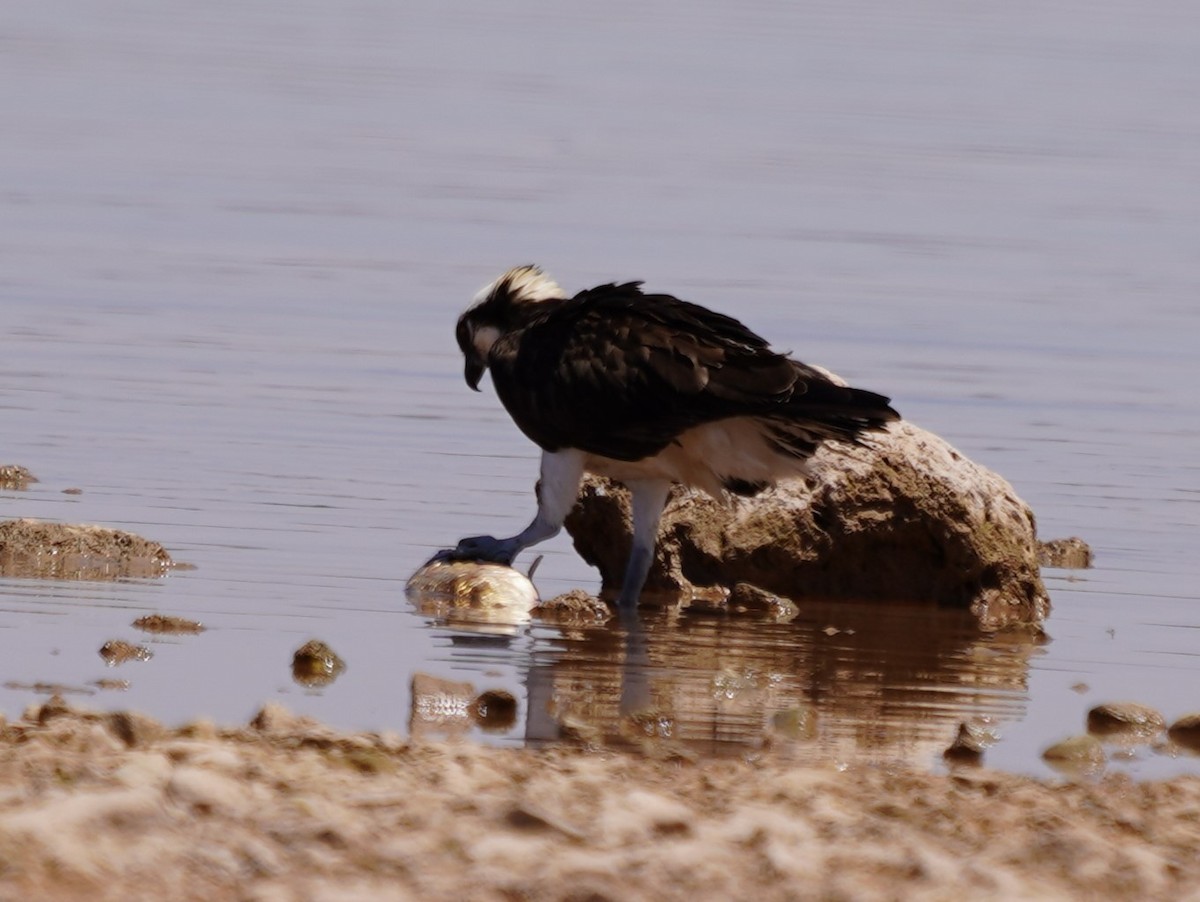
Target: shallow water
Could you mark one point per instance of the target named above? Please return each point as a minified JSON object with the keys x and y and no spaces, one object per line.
{"x":234,"y":242}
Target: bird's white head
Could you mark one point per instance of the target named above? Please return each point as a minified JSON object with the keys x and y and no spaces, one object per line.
{"x":497,"y":308}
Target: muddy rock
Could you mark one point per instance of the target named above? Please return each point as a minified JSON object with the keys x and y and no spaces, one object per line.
{"x":1186,"y":732}
{"x":1067,"y":554}
{"x":495,"y":710}
{"x":1078,"y":753}
{"x":315,"y":664}
{"x":971,"y":741}
{"x":34,"y":548}
{"x":16,"y":477}
{"x":747,"y":599}
{"x":573,"y":608}
{"x":907,"y":519}
{"x":1126,"y":721}
{"x":118,"y":651}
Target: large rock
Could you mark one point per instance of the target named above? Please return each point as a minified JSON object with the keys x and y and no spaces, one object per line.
{"x":908,"y":519}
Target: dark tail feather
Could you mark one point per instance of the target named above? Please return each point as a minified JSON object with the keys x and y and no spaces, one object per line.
{"x":871,"y":410}
{"x":829,"y":411}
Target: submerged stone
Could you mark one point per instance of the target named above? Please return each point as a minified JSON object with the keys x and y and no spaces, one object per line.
{"x":315,"y":664}
{"x":1076,"y":753}
{"x":1069,"y":554}
{"x":495,"y":710}
{"x":1186,"y":732}
{"x":118,"y":651}
{"x":1125,"y":720}
{"x":573,"y":608}
{"x":747,"y":599}
{"x":15,"y":477}
{"x":971,"y":741}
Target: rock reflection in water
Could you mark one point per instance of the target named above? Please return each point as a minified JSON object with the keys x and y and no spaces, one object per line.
{"x":866,"y":681}
{"x":836,"y":682}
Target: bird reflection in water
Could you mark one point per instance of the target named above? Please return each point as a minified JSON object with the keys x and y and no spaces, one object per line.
{"x":838,"y":682}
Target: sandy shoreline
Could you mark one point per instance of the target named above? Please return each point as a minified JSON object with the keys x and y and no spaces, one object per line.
{"x":118,"y":806}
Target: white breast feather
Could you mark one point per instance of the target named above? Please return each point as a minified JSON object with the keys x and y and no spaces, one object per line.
{"x":705,"y":456}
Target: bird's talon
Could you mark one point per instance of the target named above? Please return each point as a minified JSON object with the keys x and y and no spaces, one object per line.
{"x":479,"y":548}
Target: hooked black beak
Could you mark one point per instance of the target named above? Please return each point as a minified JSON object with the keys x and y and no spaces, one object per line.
{"x":473,"y":371}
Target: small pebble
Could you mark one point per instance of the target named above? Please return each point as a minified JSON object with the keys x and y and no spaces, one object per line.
{"x":1069,"y":554}
{"x":118,"y":651}
{"x":1076,"y":753}
{"x":1186,"y":732}
{"x":315,"y":664}
{"x":749,"y":599}
{"x":495,"y":710}
{"x":573,"y":607}
{"x":1127,"y":720}
{"x":969,"y":745}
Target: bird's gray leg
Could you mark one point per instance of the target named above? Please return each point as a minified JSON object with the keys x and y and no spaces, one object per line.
{"x":558,"y":487}
{"x":635,"y":668}
{"x":649,"y":497}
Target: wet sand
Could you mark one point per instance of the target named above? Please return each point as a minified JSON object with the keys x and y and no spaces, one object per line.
{"x":118,"y":806}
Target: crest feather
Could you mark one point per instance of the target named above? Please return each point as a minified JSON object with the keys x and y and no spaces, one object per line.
{"x":521,"y":284}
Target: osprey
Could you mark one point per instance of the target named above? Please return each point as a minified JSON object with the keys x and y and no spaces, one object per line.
{"x":650,"y":391}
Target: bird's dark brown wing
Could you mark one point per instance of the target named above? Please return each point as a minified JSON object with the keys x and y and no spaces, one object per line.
{"x":621,"y":374}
